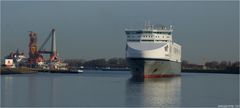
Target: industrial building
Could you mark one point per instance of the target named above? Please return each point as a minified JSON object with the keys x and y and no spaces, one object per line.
{"x":35,"y":55}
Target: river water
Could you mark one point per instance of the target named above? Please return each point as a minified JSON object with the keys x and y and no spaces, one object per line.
{"x":115,"y":89}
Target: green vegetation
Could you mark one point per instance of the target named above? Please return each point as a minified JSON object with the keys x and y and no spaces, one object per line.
{"x":102,"y":63}
{"x":20,"y":70}
{"x":211,"y":65}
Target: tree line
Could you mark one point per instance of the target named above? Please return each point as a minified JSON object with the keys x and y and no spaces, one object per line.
{"x":122,"y":63}
{"x":211,"y":65}
{"x":112,"y":62}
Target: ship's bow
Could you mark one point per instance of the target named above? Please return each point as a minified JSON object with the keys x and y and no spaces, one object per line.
{"x":153,"y":68}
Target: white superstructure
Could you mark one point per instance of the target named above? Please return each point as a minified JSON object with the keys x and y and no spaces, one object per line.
{"x":154,"y":43}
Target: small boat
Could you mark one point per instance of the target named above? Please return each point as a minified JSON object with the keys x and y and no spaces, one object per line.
{"x":76,"y":71}
{"x":80,"y":71}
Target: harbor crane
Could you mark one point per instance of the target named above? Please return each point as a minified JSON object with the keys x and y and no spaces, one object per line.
{"x":35,"y":54}
{"x":53,"y":52}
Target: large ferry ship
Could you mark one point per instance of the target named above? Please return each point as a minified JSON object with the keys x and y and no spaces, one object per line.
{"x":151,"y":52}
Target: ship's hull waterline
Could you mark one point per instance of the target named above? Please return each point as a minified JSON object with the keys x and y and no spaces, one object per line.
{"x":153,"y":68}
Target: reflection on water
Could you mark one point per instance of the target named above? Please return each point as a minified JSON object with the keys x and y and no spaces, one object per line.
{"x":154,"y":92}
{"x":8,"y":91}
{"x":28,"y":91}
{"x":65,"y":90}
{"x":111,"y":89}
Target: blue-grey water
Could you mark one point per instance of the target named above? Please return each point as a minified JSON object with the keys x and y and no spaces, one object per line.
{"x":115,"y":89}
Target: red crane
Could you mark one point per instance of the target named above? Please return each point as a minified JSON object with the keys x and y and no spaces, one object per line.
{"x":34,"y":56}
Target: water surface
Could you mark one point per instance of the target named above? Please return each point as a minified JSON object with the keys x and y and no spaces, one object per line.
{"x":115,"y":89}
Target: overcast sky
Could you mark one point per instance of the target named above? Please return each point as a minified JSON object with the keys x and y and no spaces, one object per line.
{"x":89,"y":30}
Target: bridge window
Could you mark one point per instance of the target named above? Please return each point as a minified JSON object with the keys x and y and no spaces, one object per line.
{"x":133,"y":32}
{"x":148,"y":40}
{"x":146,"y":32}
{"x":133,"y":40}
{"x":169,"y":33}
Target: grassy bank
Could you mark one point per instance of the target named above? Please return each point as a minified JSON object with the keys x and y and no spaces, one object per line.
{"x":20,"y":70}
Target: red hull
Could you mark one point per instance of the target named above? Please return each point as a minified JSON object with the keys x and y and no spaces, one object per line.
{"x":160,"y":76}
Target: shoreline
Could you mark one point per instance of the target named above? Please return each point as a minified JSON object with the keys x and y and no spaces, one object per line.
{"x":20,"y":70}
{"x":25,"y":70}
{"x":225,"y":71}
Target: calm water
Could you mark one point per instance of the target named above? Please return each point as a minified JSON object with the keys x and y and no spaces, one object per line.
{"x":105,"y":88}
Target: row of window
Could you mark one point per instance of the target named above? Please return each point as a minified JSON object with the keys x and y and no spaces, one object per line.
{"x":133,"y":40}
{"x":162,"y":40}
{"x":151,"y":36}
{"x":147,"y":40}
{"x":146,"y":32}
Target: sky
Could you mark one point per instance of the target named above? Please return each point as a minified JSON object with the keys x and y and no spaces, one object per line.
{"x":206,"y":30}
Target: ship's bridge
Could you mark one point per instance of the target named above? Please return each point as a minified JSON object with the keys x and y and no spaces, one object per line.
{"x":149,"y":35}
